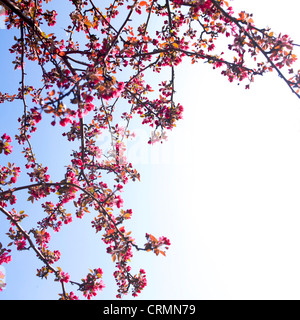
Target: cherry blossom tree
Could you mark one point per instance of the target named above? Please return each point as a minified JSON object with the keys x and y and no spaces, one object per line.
{"x":83,"y":86}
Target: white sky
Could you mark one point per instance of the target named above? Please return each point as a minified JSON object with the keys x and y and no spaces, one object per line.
{"x":228,"y":181}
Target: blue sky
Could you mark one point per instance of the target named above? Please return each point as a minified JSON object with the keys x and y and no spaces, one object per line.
{"x":224,"y":188}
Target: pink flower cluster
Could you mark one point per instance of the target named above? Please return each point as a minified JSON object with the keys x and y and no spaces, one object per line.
{"x":140,"y":283}
{"x":155,"y":245}
{"x":10,"y":171}
{"x":42,"y":237}
{"x":69,"y":296}
{"x":21,"y":244}
{"x":4,"y":255}
{"x":5,"y":144}
{"x":113,"y":92}
{"x":91,"y":284}
{"x":62,"y":276}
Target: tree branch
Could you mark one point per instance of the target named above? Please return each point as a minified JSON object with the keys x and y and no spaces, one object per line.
{"x":53,"y":184}
{"x":36,"y":29}
{"x":237,"y":23}
{"x":26,"y":235}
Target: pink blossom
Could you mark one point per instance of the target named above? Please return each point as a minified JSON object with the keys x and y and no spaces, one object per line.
{"x":89,"y":98}
{"x":20,"y":244}
{"x":63,"y":122}
{"x":5,"y":258}
{"x":6,"y":137}
{"x":119,"y":201}
{"x":72,"y":296}
{"x":64,"y":277}
{"x":13,"y":179}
